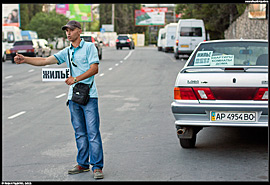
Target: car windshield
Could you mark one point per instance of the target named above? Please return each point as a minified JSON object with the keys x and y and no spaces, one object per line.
{"x":123,"y":37}
{"x":238,"y":53}
{"x":87,"y":38}
{"x":19,"y":43}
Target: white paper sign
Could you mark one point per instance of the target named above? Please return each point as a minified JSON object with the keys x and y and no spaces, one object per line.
{"x":55,"y":74}
{"x":203,"y":58}
{"x":225,"y":60}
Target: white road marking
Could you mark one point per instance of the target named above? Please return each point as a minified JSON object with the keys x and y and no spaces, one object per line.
{"x":31,"y":70}
{"x":61,"y":95}
{"x":16,"y":115}
{"x":128,"y":55}
{"x":7,"y":77}
{"x":172,"y":59}
{"x":102,"y":74}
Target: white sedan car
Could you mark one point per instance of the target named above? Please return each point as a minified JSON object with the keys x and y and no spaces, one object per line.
{"x":223,"y":83}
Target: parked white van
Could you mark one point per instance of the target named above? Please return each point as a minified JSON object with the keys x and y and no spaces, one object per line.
{"x":169,"y":42}
{"x":10,"y":34}
{"x":161,"y":36}
{"x":189,"y":33}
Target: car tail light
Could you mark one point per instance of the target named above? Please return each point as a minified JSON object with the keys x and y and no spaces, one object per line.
{"x":234,"y":93}
{"x":262,"y":94}
{"x":204,"y":93}
{"x":128,"y":40}
{"x":182,"y":93}
{"x":176,"y":42}
{"x":93,"y":40}
{"x":31,"y":50}
{"x":117,"y":40}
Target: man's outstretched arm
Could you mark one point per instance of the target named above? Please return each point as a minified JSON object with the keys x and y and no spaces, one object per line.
{"x":36,"y":61}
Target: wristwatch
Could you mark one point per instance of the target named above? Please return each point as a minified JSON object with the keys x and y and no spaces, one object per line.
{"x":75,"y":79}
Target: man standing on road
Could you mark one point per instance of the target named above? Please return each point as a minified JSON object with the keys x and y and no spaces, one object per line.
{"x":85,"y":118}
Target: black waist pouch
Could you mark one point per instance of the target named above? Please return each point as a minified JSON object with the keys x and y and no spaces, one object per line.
{"x":81,"y":93}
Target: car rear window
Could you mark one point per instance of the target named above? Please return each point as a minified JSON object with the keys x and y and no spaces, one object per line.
{"x":123,"y":37}
{"x":87,"y":38}
{"x":19,"y":43}
{"x":231,"y":54}
{"x":191,"y":32}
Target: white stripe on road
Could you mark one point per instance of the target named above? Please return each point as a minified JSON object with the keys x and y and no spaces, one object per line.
{"x":61,"y":95}
{"x":16,"y":115}
{"x":128,"y":55}
{"x":117,"y":64}
{"x":31,"y":70}
{"x":102,"y":74}
{"x":7,"y":77}
{"x":110,"y":69}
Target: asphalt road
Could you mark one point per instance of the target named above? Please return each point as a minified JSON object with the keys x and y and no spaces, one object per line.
{"x":135,"y":90}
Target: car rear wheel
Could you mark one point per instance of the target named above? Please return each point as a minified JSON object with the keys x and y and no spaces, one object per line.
{"x":176,"y":56}
{"x":12,"y":58}
{"x":4,"y":57}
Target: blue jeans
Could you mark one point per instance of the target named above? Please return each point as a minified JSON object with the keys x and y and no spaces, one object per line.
{"x":85,"y":121}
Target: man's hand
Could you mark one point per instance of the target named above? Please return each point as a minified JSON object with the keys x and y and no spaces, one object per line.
{"x":19,"y":59}
{"x":70,"y":80}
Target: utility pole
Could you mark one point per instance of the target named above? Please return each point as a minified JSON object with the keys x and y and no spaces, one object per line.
{"x":113,"y":16}
{"x":174,"y":19}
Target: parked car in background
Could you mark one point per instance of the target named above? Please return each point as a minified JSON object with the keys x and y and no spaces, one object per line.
{"x":124,"y":41}
{"x":45,"y":49}
{"x":93,"y":39}
{"x":10,"y":34}
{"x":169,"y":38}
{"x":29,"y":34}
{"x":161,"y":36}
{"x":24,"y":47}
{"x":189,"y":33}
{"x":223,"y":83}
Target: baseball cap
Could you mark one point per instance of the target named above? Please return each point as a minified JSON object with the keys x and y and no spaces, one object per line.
{"x":72,"y":25}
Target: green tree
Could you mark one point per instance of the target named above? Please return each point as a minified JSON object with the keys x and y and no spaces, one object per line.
{"x":216,"y":17}
{"x":48,"y":25}
{"x":123,"y":17}
{"x":27,"y":12}
{"x":105,"y":14}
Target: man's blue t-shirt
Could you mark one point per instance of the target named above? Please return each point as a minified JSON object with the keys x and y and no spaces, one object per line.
{"x":83,"y":56}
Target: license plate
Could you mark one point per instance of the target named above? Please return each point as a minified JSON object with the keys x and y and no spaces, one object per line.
{"x":122,"y":41}
{"x":184,"y":46}
{"x":217,"y":116}
{"x":21,"y":51}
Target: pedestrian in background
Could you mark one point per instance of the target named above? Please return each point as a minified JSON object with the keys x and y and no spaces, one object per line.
{"x":83,"y":57}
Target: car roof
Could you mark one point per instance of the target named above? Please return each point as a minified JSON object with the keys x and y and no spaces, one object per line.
{"x":23,"y":41}
{"x":234,"y":40}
